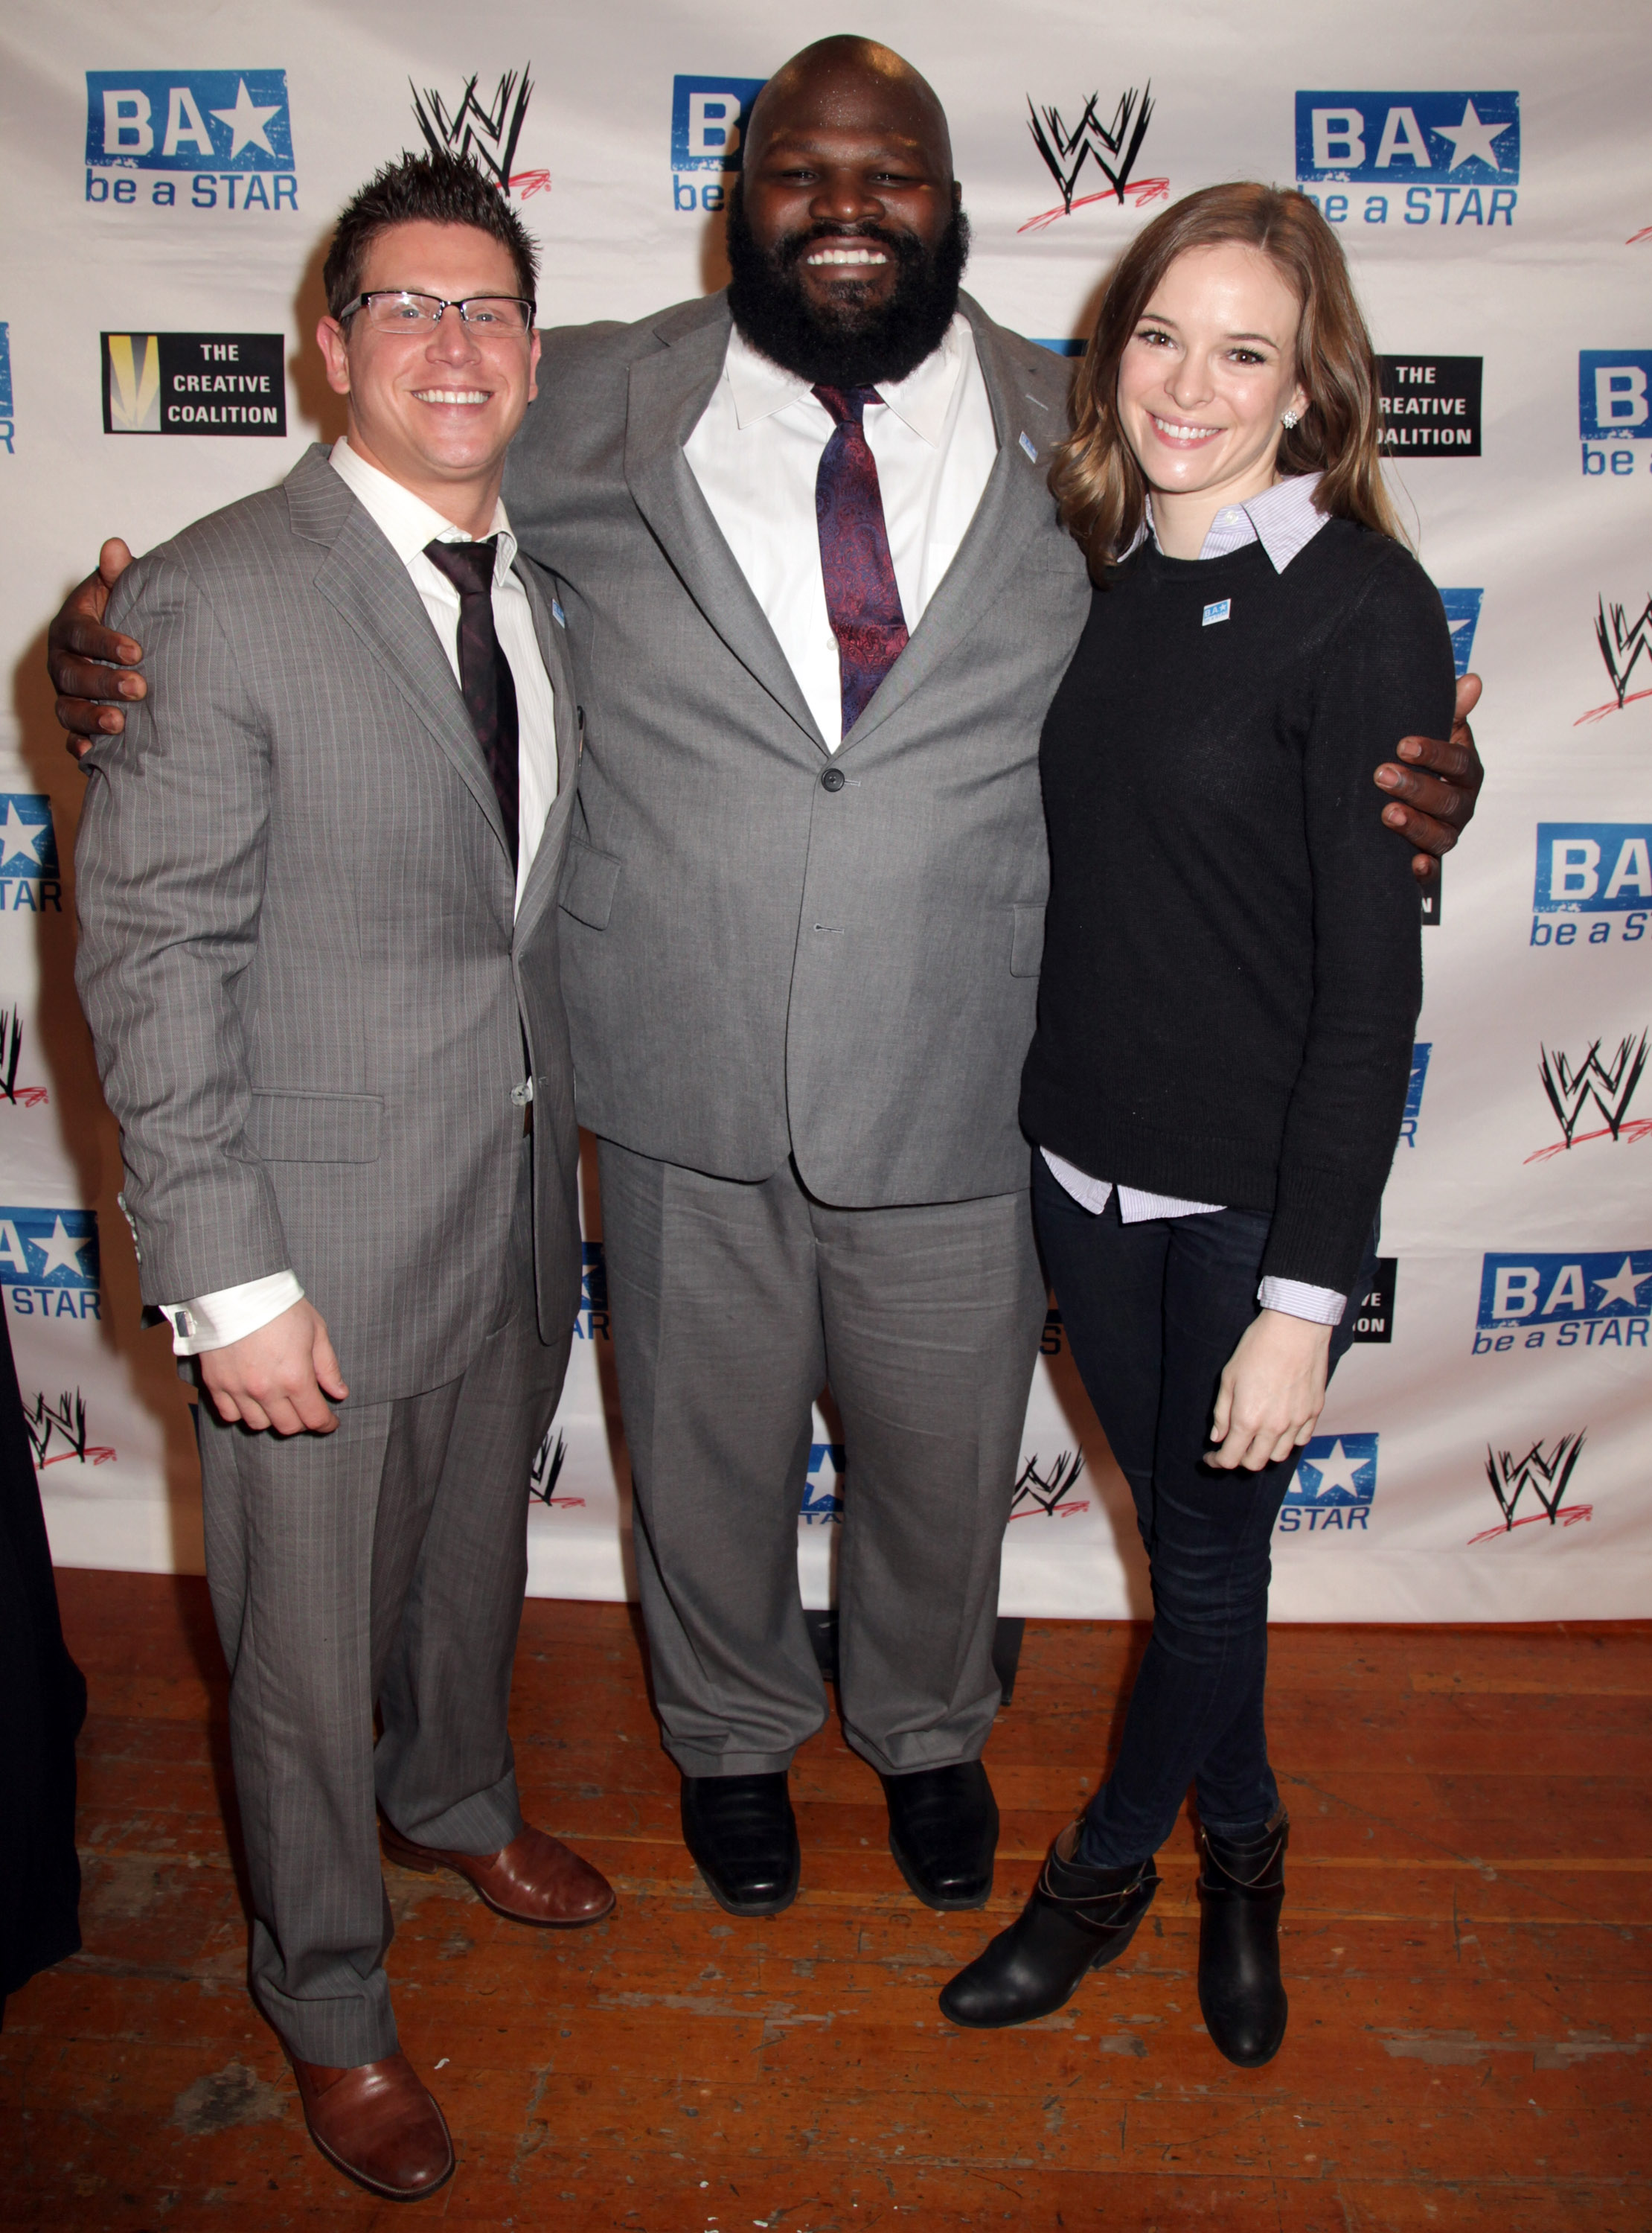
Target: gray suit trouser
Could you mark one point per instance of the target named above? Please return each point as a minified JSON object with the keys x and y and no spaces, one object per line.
{"x":732,"y":1305}
{"x":384,"y":1563}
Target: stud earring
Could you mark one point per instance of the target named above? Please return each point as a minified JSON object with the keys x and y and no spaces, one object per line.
{"x":1288,"y":419}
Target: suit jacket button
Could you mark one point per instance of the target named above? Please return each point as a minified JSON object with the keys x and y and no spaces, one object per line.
{"x":833,"y":779}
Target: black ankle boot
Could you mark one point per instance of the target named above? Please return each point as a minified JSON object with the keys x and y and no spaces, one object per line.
{"x":1241,"y":1889}
{"x":1078,"y":1919}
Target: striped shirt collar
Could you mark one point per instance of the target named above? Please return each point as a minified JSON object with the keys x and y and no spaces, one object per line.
{"x":1284,"y":519}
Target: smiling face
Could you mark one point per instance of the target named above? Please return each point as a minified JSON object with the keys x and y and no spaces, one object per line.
{"x":845,"y":240}
{"x":435,"y":408}
{"x":1207,"y":374}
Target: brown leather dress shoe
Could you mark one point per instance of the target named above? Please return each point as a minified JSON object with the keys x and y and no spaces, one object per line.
{"x":535,"y":1880}
{"x":378,"y":2125}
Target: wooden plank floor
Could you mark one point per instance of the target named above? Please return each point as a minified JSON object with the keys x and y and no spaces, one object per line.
{"x":1468,"y":1958}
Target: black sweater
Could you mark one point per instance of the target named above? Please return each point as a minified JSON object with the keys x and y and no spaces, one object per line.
{"x":1233,"y":966}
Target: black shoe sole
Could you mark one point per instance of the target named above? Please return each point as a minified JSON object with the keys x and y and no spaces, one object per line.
{"x":919,"y":1890}
{"x":754,"y":1908}
{"x":1108,"y":1955}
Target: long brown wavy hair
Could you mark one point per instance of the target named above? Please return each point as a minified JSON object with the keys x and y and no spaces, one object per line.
{"x":1097,"y":484}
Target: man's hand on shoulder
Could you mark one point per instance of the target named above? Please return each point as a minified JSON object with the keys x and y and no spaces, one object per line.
{"x":278,"y":1377}
{"x":90,"y":664}
{"x":1433,"y":795}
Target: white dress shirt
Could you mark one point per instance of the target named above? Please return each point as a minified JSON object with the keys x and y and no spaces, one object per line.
{"x":1284,"y":521}
{"x":756,"y":453}
{"x":407,"y":523}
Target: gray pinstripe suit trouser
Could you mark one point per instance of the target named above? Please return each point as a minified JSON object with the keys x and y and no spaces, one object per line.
{"x":384,"y":1563}
{"x":732,"y":1305}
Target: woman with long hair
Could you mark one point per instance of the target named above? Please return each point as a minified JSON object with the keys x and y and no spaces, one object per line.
{"x":1232,"y":976}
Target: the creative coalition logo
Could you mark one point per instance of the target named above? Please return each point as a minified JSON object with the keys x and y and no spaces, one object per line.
{"x":1111,"y":142}
{"x":48,"y":1262}
{"x":1605,"y":1083}
{"x":1592,"y":1300}
{"x":1540,"y":1476}
{"x":1431,"y":406}
{"x":1049,"y":1492}
{"x":1614,"y":406}
{"x":1334,"y":1488}
{"x":708,"y":120}
{"x":29,"y":871}
{"x":1421,"y":1049}
{"x":1462,"y":618}
{"x":226,"y":134}
{"x":485,"y":133}
{"x":1623,"y":638}
{"x":13,"y":1095}
{"x":824,"y":1487}
{"x":1374,"y":1311}
{"x":1447,"y":158}
{"x":1599,"y":868}
{"x":7,"y":423}
{"x":194,"y":384}
{"x":58,"y":1432}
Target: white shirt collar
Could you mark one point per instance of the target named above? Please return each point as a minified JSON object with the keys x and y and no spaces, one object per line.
{"x":405,"y":520}
{"x":1284,"y":519}
{"x":760,"y":388}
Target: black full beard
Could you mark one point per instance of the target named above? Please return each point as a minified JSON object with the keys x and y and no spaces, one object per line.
{"x":854,"y":344}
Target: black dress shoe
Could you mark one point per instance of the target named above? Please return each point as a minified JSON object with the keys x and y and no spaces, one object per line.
{"x":943,"y":1832}
{"x":1078,"y":1919}
{"x":1241,"y":1889}
{"x":743,"y":1835}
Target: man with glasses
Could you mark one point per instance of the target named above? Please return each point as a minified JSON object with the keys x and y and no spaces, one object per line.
{"x":316,"y":877}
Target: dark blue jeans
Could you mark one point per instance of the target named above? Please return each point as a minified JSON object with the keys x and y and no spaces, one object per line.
{"x":1153,"y":1312}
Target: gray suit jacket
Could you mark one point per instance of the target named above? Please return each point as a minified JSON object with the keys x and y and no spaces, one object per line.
{"x":756,"y":964}
{"x":297,"y":952}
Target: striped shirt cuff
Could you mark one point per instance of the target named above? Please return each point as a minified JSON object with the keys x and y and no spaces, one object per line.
{"x":1299,"y":1301}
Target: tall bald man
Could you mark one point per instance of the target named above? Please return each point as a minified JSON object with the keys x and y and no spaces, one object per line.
{"x":817,"y":601}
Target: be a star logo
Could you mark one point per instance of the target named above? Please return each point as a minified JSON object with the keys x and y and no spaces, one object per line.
{"x":1334,"y":1486}
{"x":225,"y":135}
{"x":1446,"y":159}
{"x":48,"y":1262}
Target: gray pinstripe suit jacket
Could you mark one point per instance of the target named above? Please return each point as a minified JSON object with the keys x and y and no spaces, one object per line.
{"x":757,"y":962}
{"x":297,"y":952}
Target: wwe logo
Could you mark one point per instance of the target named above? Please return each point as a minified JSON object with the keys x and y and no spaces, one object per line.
{"x":65,"y":1424}
{"x":1610,"y":1085}
{"x":1113,"y":149}
{"x":1545,"y":1474}
{"x":10,"y":1048}
{"x":1033,"y":1492}
{"x":548,"y":1462}
{"x":1622,"y":641}
{"x":485,"y":135}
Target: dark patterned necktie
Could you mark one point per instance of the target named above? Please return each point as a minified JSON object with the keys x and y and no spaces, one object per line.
{"x":483,"y":671}
{"x":862,"y":601}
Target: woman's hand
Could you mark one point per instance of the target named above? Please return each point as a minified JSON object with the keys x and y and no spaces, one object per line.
{"x":1273,"y":1391}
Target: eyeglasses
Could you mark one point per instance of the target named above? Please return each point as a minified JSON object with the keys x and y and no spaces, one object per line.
{"x":394,"y":310}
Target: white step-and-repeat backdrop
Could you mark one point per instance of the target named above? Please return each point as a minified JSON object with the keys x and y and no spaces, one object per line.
{"x":167,"y":177}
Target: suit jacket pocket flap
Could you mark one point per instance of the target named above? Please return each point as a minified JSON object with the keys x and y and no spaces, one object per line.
{"x":587,"y":884}
{"x":316,"y":1128}
{"x":1026,"y":948}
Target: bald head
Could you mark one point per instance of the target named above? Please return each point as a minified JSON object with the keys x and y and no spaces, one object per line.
{"x":850,"y":82}
{"x":845,"y":238}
